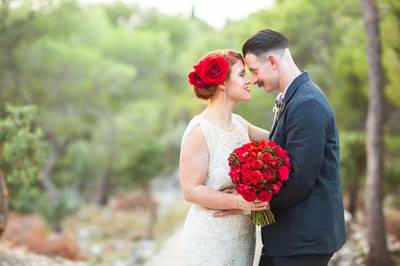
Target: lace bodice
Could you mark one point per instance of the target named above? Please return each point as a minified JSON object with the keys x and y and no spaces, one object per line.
{"x":218,"y":241}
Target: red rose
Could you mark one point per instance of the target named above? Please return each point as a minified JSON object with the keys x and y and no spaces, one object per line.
{"x":246,"y":173}
{"x":247,"y":192}
{"x":256,"y":177}
{"x":240,"y":151}
{"x":262,"y":143}
{"x":195,"y":80}
{"x":253,"y":154}
{"x":235,"y":176}
{"x":257,"y":164}
{"x":266,"y":158}
{"x":286,"y":161}
{"x":267,"y":175}
{"x":279,"y":152}
{"x":284,"y":173}
{"x":264,"y":196}
{"x":250,"y":195}
{"x":276,"y":187}
{"x":213,"y":70}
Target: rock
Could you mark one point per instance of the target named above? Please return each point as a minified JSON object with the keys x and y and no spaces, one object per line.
{"x":142,"y":251}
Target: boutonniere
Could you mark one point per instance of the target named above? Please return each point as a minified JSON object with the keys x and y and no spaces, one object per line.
{"x":278,"y":108}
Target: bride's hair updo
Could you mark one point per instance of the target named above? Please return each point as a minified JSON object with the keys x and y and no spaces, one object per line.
{"x":212,"y":70}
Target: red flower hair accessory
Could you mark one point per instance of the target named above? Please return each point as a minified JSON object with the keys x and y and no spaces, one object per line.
{"x":210,"y":71}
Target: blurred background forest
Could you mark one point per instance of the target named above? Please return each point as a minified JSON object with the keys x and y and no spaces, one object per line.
{"x":94,"y":100}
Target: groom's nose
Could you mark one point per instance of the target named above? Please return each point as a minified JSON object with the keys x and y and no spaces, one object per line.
{"x":253,"y":79}
{"x":248,"y":81}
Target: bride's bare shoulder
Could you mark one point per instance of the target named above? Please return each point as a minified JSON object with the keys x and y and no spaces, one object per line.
{"x":194,"y":137}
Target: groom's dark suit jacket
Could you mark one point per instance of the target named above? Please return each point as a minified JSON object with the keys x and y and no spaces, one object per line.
{"x":308,"y":209}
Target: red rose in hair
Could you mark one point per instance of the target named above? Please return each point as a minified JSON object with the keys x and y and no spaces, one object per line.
{"x":195,"y":80}
{"x":213,"y":70}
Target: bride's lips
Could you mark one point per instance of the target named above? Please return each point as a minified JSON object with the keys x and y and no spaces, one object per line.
{"x":247,"y":89}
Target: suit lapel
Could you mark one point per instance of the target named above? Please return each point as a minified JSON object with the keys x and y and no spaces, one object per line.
{"x":303,"y":77}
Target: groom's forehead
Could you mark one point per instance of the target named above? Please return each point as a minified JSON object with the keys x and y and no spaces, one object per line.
{"x":252,"y":65}
{"x":251,"y":68}
{"x":251,"y":60}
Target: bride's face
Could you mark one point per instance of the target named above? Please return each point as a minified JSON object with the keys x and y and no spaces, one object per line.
{"x":237,"y":87}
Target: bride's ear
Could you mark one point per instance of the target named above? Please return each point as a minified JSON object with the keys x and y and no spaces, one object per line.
{"x":223,"y":85}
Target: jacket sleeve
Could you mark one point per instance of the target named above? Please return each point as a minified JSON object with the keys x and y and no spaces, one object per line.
{"x":305,"y":140}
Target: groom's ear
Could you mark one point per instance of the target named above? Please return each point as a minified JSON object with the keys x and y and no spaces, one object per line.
{"x":272,"y":60}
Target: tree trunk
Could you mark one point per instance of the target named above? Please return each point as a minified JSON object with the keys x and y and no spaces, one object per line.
{"x":353,"y":198}
{"x":47,"y":182}
{"x":105,"y":183}
{"x":3,"y":203}
{"x":378,"y":254}
{"x":105,"y":188}
{"x":56,"y":150}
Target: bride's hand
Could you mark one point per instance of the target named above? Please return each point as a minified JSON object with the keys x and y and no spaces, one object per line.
{"x":244,"y":205}
{"x":229,"y":191}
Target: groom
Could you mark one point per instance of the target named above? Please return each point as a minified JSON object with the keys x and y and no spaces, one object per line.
{"x":309,"y":214}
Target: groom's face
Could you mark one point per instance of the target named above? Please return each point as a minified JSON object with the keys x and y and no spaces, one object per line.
{"x":263,"y":74}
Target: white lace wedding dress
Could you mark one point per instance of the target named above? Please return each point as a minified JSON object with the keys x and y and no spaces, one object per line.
{"x":211,"y":241}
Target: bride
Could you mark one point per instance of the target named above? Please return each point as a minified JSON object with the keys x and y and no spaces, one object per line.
{"x":209,"y":138}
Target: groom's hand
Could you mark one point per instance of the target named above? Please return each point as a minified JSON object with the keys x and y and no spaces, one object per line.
{"x":223,"y":213}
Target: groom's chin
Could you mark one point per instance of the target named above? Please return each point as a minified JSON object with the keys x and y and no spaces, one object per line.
{"x":268,"y":90}
{"x":247,"y":99}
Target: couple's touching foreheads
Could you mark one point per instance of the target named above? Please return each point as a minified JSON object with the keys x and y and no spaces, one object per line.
{"x":231,"y":170}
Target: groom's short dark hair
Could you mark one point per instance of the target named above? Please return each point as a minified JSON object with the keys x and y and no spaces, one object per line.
{"x":264,"y":41}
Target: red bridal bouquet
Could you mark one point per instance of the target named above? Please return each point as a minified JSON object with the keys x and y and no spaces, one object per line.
{"x":258,"y":169}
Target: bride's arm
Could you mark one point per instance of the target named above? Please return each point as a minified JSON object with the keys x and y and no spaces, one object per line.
{"x":255,"y":133}
{"x":193,"y":171}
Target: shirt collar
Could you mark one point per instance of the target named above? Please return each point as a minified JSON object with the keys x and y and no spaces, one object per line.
{"x":281,"y":95}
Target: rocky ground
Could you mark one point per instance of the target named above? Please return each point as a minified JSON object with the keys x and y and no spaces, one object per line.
{"x":112,"y":237}
{"x":18,"y":256}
